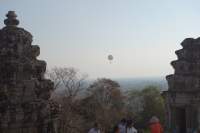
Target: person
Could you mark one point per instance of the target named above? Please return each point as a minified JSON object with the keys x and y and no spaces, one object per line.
{"x":95,"y":129}
{"x":122,"y":126}
{"x":155,"y":126}
{"x":116,"y":129}
{"x":130,"y":128}
{"x":197,"y":131}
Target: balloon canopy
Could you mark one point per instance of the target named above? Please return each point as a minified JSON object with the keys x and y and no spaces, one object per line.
{"x":110,"y":57}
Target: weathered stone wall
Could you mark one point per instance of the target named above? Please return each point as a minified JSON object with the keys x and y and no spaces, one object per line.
{"x":184,"y":88}
{"x":24,"y":92}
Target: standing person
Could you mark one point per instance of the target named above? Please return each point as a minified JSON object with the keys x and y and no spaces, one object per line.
{"x":95,"y":129}
{"x":130,"y":128}
{"x":116,"y":129}
{"x":197,"y":131}
{"x":155,"y":125}
{"x":122,"y":126}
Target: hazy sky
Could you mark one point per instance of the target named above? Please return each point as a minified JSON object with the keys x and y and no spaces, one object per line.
{"x":142,"y":35}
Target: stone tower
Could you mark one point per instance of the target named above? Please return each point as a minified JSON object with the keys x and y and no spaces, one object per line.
{"x":24,"y":92}
{"x":183,"y":96}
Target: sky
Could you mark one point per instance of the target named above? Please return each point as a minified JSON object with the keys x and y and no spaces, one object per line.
{"x":142,"y":35}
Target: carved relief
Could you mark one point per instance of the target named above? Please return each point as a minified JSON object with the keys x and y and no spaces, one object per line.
{"x":24,"y":92}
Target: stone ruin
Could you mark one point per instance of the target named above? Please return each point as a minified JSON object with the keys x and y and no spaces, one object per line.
{"x":25,"y":105}
{"x":183,"y":96}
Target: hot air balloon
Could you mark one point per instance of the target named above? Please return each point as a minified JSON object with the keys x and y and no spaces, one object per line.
{"x":110,"y":58}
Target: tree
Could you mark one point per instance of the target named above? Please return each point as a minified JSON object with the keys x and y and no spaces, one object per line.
{"x":104,"y":104}
{"x":106,"y":92}
{"x":70,"y":83}
{"x":153,"y":103}
{"x":134,"y":103}
{"x":68,"y":80}
{"x":145,"y":103}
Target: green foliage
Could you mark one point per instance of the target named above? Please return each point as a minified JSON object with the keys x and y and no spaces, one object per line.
{"x":153,"y":103}
{"x":104,"y":104}
{"x":146,"y":131}
{"x":146,"y":103}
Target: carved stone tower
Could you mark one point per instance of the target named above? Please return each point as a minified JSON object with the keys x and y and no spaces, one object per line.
{"x":183,"y":96}
{"x":24,"y":92}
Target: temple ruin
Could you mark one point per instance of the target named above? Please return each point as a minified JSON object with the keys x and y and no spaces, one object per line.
{"x":183,"y":96}
{"x":25,"y":105}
